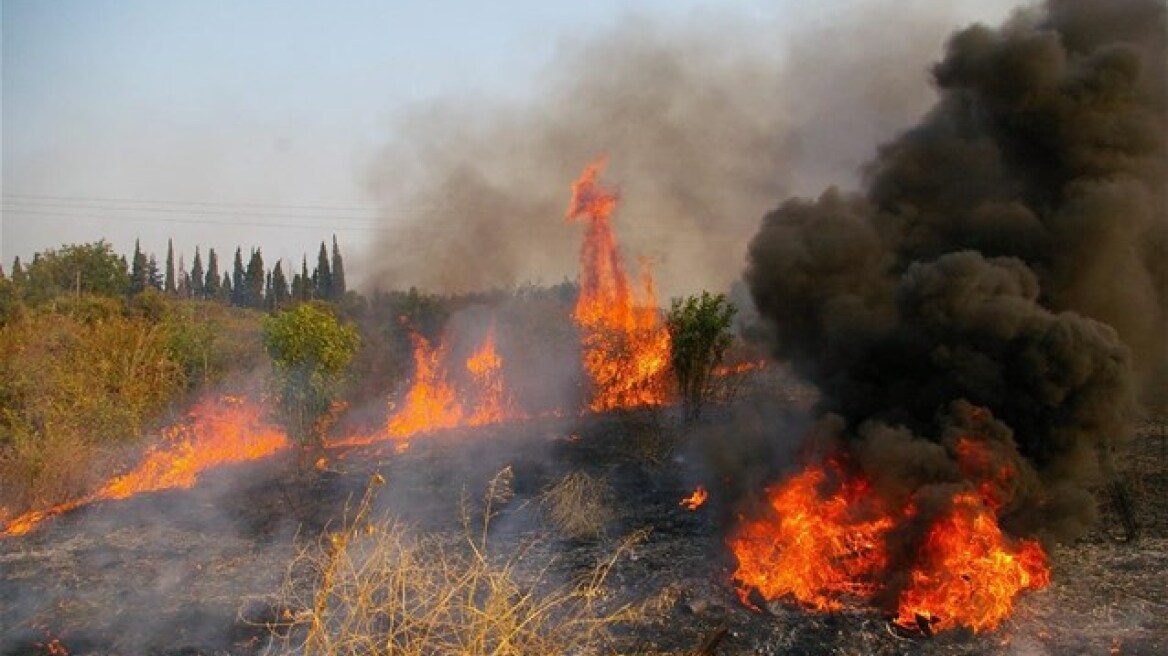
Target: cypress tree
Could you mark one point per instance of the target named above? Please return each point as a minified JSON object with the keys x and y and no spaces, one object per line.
{"x":238,"y":287}
{"x":253,"y":291}
{"x":138,"y":279}
{"x":226,"y":292}
{"x":18,"y":275}
{"x":153,"y":274}
{"x":198,"y":282}
{"x":211,"y":284}
{"x":279,"y":294}
{"x":305,"y":287}
{"x":338,"y":277}
{"x":324,"y":278}
{"x":169,"y":285}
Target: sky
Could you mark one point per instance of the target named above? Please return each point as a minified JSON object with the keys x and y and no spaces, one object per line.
{"x":258,"y":124}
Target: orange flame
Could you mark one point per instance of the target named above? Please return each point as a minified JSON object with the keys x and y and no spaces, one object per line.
{"x":215,"y":432}
{"x":824,"y":542}
{"x":695,"y":500}
{"x":495,"y":403}
{"x":626,"y":345}
{"x":433,"y":403}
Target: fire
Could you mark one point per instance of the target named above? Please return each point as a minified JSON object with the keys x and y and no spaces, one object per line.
{"x":695,"y":500}
{"x":432,"y":403}
{"x":215,"y":432}
{"x":824,"y":542}
{"x":968,"y":572}
{"x":626,"y":345}
{"x":495,"y":402}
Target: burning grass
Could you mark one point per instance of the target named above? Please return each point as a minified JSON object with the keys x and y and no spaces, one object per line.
{"x":380,"y":587}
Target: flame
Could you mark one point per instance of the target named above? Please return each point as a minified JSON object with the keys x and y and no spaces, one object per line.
{"x":968,"y":572}
{"x":695,"y":500}
{"x":824,"y":538}
{"x":495,"y":402}
{"x":433,"y":403}
{"x":626,"y":344}
{"x":737,"y":369}
{"x":214,"y":432}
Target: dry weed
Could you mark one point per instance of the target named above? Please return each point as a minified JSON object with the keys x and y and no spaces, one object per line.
{"x":579,"y":505}
{"x":380,"y":588}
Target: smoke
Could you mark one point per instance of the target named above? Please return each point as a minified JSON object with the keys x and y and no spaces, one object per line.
{"x":704,"y":121}
{"x":1001,"y":276}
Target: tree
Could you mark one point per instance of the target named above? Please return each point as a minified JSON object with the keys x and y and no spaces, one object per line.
{"x":253,"y":280}
{"x":153,"y":274}
{"x":211,"y":282}
{"x":278,"y":299}
{"x":138,"y":263}
{"x":238,"y":287}
{"x":310,"y":350}
{"x":18,"y":276}
{"x":699,"y":332}
{"x":226,"y":291}
{"x":74,"y":269}
{"x":338,"y":274}
{"x":198,"y":279}
{"x":170,"y":284}
{"x":322,"y":275}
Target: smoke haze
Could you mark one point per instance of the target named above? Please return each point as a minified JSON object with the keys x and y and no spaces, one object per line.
{"x":705,"y":124}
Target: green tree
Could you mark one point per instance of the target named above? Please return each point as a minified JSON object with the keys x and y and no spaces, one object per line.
{"x":338,"y":278}
{"x":170,"y":284}
{"x":278,"y":299}
{"x":238,"y":284}
{"x":323,"y":276}
{"x":253,"y":280}
{"x":211,"y":280}
{"x":74,"y":269}
{"x":138,"y":274}
{"x":198,"y":278}
{"x":310,"y":351}
{"x":699,"y":331}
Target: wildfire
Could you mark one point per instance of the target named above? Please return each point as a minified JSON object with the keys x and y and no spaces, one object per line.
{"x":432,"y":403}
{"x":824,"y":541}
{"x":695,"y":500}
{"x":215,"y":432}
{"x":626,"y":345}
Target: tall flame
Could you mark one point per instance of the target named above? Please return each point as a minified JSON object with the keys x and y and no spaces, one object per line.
{"x":495,"y":403}
{"x":626,"y":345}
{"x":824,"y":542}
{"x":214,"y":432}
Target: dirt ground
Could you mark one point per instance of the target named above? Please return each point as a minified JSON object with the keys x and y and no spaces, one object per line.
{"x":192,"y":572}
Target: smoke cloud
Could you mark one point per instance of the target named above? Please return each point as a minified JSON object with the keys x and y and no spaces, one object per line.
{"x":1001,"y":276}
{"x":705,"y":123}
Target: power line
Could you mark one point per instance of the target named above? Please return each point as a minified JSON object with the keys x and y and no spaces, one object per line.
{"x":148,"y":201}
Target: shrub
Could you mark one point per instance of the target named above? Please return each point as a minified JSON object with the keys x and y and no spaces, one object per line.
{"x":699,"y":329}
{"x":579,"y":505}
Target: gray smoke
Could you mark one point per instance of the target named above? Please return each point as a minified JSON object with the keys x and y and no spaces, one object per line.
{"x":704,"y":123}
{"x":1002,"y":275}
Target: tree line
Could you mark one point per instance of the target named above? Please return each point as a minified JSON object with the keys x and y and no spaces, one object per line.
{"x":95,"y":268}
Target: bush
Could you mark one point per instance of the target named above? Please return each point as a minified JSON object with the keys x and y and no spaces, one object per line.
{"x":579,"y":505}
{"x":699,"y":330}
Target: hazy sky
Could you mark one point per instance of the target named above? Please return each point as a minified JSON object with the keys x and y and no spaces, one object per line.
{"x":256,"y":123}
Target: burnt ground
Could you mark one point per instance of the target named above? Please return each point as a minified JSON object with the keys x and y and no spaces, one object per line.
{"x":192,"y":572}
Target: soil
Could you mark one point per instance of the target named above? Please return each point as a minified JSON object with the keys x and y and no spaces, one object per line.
{"x":192,"y":572}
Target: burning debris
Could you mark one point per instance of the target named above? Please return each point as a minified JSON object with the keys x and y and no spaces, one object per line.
{"x":695,"y":500}
{"x":626,"y":344}
{"x":979,"y":323}
{"x":215,"y":432}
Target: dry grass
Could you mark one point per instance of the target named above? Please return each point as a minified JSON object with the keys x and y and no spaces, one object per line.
{"x":579,"y":505}
{"x":382,"y":589}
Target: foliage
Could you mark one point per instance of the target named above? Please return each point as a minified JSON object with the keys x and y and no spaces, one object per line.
{"x":310,"y":351}
{"x":74,"y":377}
{"x":77,"y":269}
{"x":699,"y":329}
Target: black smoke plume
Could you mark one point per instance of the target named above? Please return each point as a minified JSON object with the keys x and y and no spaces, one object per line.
{"x":1003,"y":273}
